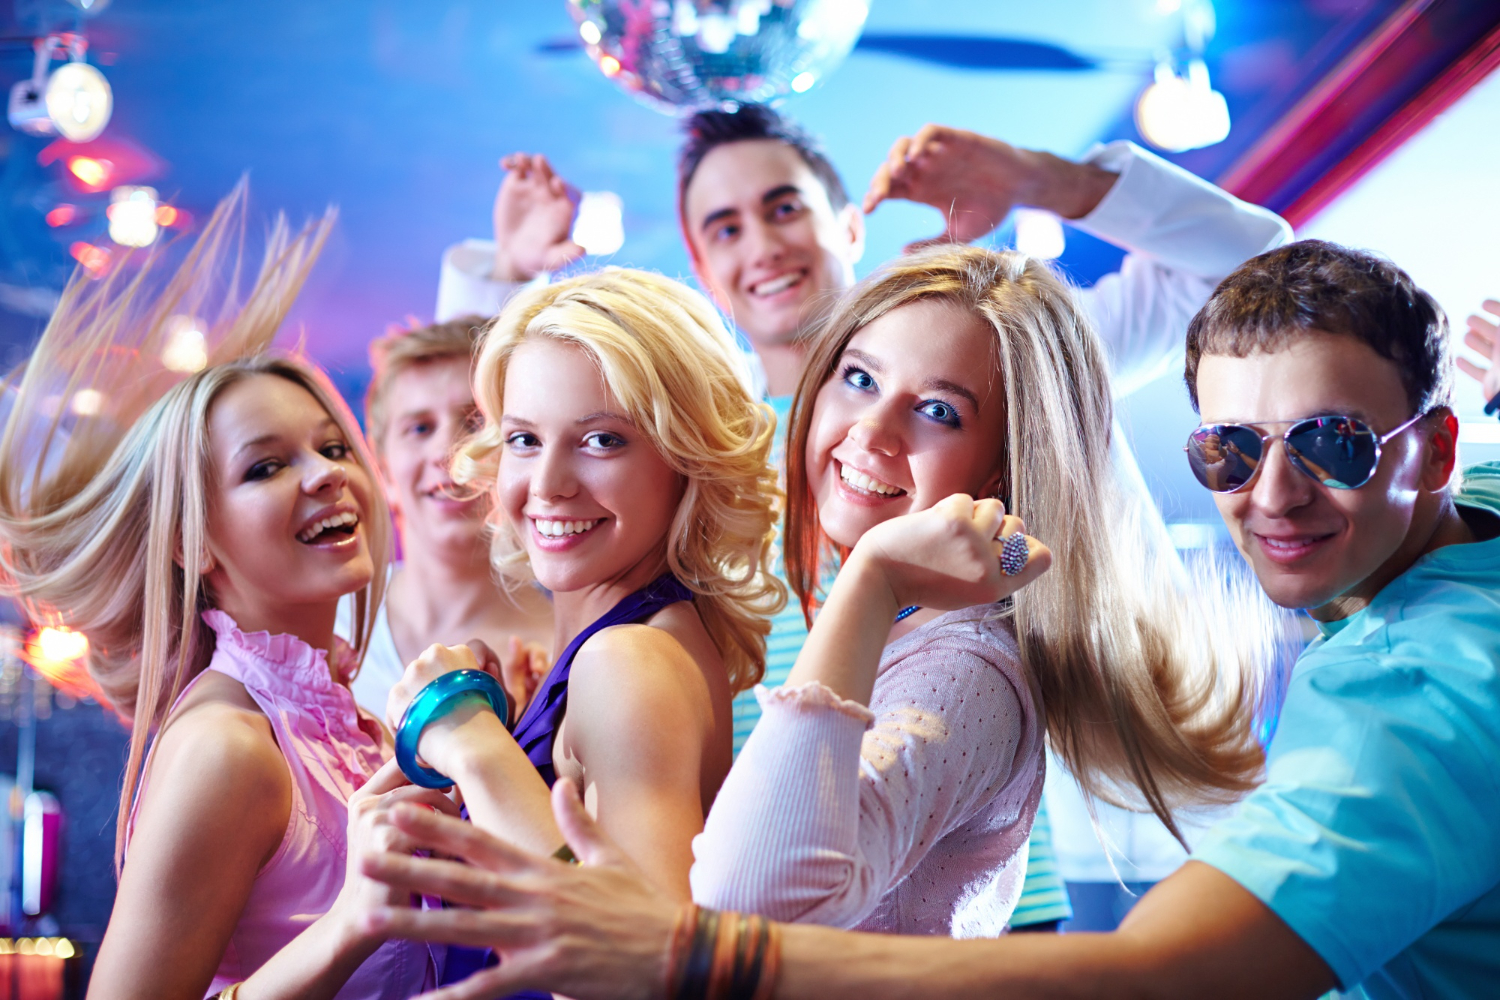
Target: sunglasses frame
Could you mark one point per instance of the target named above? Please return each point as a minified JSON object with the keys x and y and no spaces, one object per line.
{"x":1291,"y":425}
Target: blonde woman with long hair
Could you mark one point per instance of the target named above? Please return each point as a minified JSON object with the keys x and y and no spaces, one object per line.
{"x":892,"y":783}
{"x":201,"y":530}
{"x":629,"y":465}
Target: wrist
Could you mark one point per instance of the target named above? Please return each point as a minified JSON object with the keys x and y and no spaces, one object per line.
{"x":1065,"y":188}
{"x":446,"y":743}
{"x":506,"y":269}
{"x":866,"y":578}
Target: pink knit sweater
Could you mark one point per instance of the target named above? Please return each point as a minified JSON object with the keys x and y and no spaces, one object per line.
{"x":908,"y":817}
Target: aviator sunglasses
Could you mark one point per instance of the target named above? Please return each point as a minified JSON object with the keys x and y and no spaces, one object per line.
{"x":1336,"y":451}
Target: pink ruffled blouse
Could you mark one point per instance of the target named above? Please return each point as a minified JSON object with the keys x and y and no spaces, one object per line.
{"x":331,"y":748}
{"x":907,"y":817}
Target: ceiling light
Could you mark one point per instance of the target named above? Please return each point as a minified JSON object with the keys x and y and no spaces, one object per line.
{"x":132,"y":216}
{"x":74,"y":101}
{"x":186,"y":349}
{"x":600,"y":226}
{"x":1039,"y":234}
{"x":1180,"y":113}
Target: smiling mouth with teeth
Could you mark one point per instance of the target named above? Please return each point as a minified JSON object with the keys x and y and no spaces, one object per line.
{"x":331,"y":528}
{"x":868,"y":484}
{"x":778,"y":284}
{"x":560,"y":529}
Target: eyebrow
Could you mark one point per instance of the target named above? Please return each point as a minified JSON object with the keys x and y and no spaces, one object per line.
{"x":591,"y":418}
{"x":940,"y":384}
{"x":273,"y":437}
{"x":780,"y":191}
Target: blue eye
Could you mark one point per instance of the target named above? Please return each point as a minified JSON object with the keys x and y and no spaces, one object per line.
{"x":940,"y":411}
{"x":858,"y":378}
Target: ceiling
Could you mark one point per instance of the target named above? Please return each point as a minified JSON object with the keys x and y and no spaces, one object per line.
{"x":397,"y":112}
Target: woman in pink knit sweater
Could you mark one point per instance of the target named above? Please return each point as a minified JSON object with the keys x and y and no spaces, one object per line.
{"x":892,"y":782}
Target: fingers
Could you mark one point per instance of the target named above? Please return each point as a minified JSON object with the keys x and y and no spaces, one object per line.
{"x":1492,"y":306}
{"x":484,"y":657}
{"x":450,"y":880}
{"x":474,"y":928}
{"x":429,"y":797}
{"x":879,"y":189}
{"x":387,"y":779}
{"x":561,"y":254}
{"x":895,"y":160}
{"x":589,"y":843}
{"x":462,"y":840}
{"x":498,"y":981}
{"x":989,"y":516}
{"x":1470,"y":369}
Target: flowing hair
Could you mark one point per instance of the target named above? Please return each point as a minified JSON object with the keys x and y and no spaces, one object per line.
{"x":103,"y":502}
{"x":1153,"y":679}
{"x":670,"y":363}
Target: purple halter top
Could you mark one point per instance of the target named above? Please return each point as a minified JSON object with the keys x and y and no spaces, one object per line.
{"x":536,"y":730}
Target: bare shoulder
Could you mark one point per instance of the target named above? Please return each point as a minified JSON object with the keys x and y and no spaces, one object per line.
{"x":634,"y":655}
{"x":217,"y":757}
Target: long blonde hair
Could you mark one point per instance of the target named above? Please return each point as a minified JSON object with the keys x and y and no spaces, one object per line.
{"x":101,"y":508}
{"x":667,"y":358}
{"x":1151,"y":680}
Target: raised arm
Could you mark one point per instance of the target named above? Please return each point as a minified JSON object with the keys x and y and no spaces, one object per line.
{"x":818,"y":819}
{"x":1184,"y":233}
{"x":533,"y":219}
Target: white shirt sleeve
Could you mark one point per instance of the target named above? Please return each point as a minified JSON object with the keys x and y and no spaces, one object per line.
{"x":1184,"y":236}
{"x":465,"y":287}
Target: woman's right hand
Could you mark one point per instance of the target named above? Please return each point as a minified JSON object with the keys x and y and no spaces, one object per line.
{"x":371,"y":831}
{"x":948,"y":556}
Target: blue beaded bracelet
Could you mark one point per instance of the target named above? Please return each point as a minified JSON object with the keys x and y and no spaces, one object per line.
{"x":432,"y":703}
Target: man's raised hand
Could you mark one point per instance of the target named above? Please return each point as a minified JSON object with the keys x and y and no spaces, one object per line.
{"x":534,"y":211}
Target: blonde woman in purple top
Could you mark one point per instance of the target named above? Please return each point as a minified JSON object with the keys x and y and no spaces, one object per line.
{"x":892,"y":781}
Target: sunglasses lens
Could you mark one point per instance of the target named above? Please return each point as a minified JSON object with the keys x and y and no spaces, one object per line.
{"x":1339,"y":452}
{"x":1224,"y":456}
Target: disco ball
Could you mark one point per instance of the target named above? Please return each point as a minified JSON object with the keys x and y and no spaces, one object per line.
{"x":681,"y":56}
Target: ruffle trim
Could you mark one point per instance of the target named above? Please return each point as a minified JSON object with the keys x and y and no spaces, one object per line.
{"x":813,"y":697}
{"x":288,"y":671}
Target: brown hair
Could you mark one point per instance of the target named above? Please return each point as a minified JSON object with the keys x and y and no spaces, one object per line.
{"x":1147,"y":678}
{"x":1316,"y":286}
{"x":397,"y":352}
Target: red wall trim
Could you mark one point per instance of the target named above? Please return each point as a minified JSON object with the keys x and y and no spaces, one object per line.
{"x":1437,"y":97}
{"x":1375,"y":99}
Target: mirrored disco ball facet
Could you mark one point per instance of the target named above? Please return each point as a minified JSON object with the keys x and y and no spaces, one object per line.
{"x":681,"y":56}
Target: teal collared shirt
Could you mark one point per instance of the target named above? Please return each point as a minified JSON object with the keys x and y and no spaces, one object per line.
{"x":1376,"y":836}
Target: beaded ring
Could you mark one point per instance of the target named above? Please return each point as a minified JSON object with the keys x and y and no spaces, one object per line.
{"x":432,"y":703}
{"x":1014,"y":554}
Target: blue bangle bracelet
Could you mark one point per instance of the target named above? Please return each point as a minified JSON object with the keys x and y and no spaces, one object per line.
{"x":432,"y":703}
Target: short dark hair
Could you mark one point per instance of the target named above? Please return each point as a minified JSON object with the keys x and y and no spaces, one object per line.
{"x":708,"y":130}
{"x":1313,"y":285}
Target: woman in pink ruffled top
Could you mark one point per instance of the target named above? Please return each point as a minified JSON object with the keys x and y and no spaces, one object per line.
{"x":201,"y":530}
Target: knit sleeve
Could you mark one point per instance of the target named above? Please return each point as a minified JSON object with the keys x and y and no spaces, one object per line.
{"x":830,"y":804}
